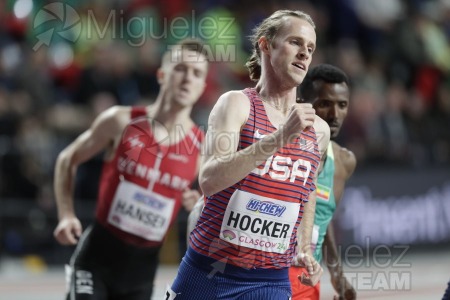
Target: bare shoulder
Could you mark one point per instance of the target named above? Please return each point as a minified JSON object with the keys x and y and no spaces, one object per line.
{"x":234,"y":100}
{"x":117,"y":113}
{"x":116,"y":116}
{"x":110,"y":123}
{"x":322,"y":132}
{"x":346,"y":157}
{"x":231,"y":106}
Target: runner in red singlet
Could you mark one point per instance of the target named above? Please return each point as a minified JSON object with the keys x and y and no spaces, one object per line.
{"x":151,"y":159}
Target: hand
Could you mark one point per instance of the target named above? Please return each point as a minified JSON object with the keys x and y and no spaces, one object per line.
{"x":301,"y":116}
{"x":68,"y":231}
{"x":342,"y":286}
{"x":314,"y":269}
{"x":189,"y":198}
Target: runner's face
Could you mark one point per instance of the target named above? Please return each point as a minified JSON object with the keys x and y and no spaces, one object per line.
{"x":185,"y":77}
{"x":331,"y":103}
{"x":292,"y":49}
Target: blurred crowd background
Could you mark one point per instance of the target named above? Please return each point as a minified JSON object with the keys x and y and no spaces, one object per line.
{"x":101,"y":53}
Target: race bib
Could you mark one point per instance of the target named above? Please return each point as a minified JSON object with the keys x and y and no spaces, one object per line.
{"x":141,"y":212}
{"x":259,"y":222}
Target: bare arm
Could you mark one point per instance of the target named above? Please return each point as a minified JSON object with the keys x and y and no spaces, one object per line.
{"x":345,"y":165}
{"x":330,"y":253}
{"x":304,"y":234}
{"x":305,"y":255}
{"x":98,"y":137}
{"x":306,"y":226}
{"x":190,"y":196}
{"x":333,"y":262}
{"x":222,"y":164}
{"x":195,"y":212}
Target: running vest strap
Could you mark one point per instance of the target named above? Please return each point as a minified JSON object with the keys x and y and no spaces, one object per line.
{"x":325,"y":203}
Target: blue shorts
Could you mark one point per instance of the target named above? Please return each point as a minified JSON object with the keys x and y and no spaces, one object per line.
{"x":197,"y":283}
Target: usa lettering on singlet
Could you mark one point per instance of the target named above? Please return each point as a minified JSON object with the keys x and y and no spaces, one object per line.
{"x":254,"y":222}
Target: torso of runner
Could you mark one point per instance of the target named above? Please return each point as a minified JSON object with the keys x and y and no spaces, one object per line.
{"x":141,"y":187}
{"x":253,"y":223}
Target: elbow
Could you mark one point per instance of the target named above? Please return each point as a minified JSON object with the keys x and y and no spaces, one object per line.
{"x":63,"y":158}
{"x":206,"y":185}
{"x":209,"y":182}
{"x":64,"y":162}
{"x":61,"y":161}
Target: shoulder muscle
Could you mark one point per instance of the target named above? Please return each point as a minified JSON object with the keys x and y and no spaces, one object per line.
{"x":347,"y":158}
{"x":230,"y":112}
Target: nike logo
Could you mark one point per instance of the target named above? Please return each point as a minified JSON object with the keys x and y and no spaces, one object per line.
{"x":258,"y":135}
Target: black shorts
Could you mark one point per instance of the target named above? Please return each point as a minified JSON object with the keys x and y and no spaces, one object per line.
{"x":105,"y":268}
